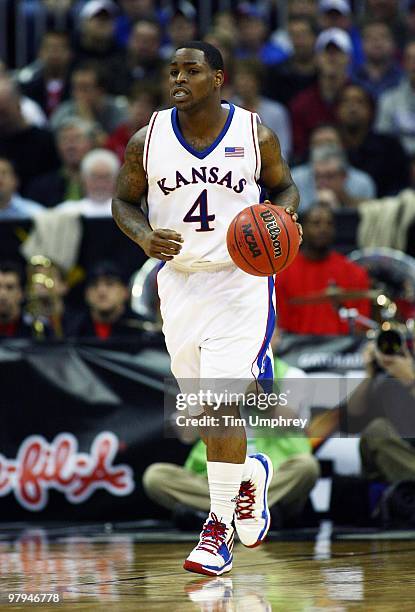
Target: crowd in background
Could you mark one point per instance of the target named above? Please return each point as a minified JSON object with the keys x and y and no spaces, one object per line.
{"x":335,"y":81}
{"x":33,"y":304}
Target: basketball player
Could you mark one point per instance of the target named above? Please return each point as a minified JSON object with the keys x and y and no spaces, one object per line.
{"x":199,"y":164}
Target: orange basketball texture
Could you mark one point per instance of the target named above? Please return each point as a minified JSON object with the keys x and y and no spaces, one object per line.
{"x":262,"y":240}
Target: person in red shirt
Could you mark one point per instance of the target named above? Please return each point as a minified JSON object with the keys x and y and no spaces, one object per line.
{"x":316,"y":268}
{"x":317,"y":103}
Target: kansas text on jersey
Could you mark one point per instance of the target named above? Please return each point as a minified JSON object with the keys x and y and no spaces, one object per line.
{"x":198,"y":193}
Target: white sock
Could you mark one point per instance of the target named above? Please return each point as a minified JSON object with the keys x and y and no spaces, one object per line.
{"x":248,"y":470}
{"x":224,"y":483}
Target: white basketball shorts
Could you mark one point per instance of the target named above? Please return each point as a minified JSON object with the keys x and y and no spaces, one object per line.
{"x":217,"y":324}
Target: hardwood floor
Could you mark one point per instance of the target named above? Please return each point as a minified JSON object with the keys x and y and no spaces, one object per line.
{"x":122,"y":572}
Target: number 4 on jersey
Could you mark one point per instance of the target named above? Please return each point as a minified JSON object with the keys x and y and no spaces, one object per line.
{"x":203,"y":218}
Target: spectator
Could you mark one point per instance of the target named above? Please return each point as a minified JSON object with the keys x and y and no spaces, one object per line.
{"x":12,"y":205}
{"x":382,"y":409}
{"x":288,"y":78}
{"x":36,"y":16}
{"x":142,"y":102}
{"x":330,"y":169}
{"x":47,"y":82}
{"x":380,"y":70}
{"x":30,"y":148}
{"x":396,"y":111}
{"x":296,"y":9}
{"x":221,"y":39}
{"x":181,"y":28}
{"x":389,"y":12}
{"x":317,"y":103}
{"x":109,"y":315}
{"x":226,"y":45}
{"x":90,"y":101}
{"x":99,"y":170}
{"x":225,"y":24}
{"x":142,"y":60}
{"x":74,"y":139}
{"x":247,"y":86}
{"x":13,"y":324}
{"x":133,"y":11}
{"x":96,"y":33}
{"x":357,"y":184}
{"x":253,"y":36}
{"x":380,"y":155}
{"x":318,"y":269}
{"x":337,"y":14}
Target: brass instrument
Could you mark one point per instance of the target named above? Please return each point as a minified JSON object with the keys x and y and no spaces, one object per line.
{"x":42,"y":300}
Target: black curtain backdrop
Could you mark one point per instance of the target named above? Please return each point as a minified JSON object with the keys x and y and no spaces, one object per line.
{"x":79,"y":392}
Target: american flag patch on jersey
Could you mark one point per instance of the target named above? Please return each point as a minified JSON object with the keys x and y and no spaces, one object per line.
{"x":234,"y":151}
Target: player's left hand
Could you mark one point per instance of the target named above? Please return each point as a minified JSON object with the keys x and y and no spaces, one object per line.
{"x":293,"y":216}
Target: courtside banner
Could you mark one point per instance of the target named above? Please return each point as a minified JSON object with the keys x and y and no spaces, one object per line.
{"x":80,"y":424}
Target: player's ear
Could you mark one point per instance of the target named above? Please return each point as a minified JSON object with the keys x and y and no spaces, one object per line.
{"x":219,"y":78}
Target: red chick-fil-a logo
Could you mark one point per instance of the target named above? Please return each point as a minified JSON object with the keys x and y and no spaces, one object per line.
{"x":40,"y":466}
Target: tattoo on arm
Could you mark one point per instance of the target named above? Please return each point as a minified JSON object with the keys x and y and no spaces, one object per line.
{"x":286,"y":196}
{"x":131,"y":186}
{"x":275,"y":173}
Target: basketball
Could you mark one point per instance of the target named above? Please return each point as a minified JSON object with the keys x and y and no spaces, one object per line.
{"x":262,"y":240}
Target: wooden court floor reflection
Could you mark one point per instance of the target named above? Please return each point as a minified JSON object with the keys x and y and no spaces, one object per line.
{"x":91,"y":573}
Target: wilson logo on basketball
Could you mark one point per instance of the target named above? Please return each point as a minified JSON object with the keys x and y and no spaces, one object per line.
{"x":40,"y":466}
{"x":250,"y":240}
{"x":273,"y":230}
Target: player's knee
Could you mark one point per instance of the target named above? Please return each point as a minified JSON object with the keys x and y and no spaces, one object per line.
{"x":155,"y":477}
{"x":375,"y":432}
{"x":308,"y":470}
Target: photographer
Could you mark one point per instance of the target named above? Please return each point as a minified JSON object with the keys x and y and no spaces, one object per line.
{"x":382,"y":409}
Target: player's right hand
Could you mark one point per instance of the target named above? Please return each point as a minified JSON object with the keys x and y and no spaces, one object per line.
{"x":162,"y":244}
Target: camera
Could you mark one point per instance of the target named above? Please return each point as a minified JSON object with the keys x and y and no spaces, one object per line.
{"x":390,"y":342}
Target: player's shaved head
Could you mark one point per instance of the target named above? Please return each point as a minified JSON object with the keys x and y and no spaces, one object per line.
{"x":212,"y":55}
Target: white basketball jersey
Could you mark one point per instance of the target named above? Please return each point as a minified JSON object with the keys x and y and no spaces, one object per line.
{"x":198,"y":193}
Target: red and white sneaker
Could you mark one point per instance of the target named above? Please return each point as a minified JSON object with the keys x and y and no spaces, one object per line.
{"x":252,"y":517}
{"x":213,"y":555}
